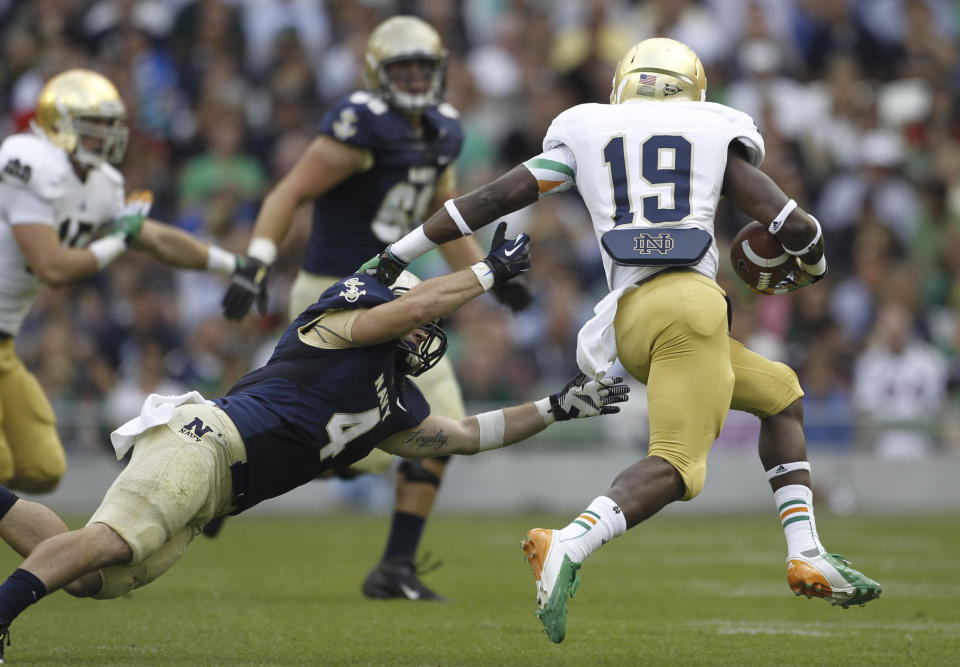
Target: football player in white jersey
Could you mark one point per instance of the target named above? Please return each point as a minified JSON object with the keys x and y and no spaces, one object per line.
{"x":63,"y":217}
{"x":658,"y":158}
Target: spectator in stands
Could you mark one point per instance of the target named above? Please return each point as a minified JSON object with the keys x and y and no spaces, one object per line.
{"x":899,"y":387}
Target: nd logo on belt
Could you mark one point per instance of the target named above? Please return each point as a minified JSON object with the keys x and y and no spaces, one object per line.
{"x":646,"y":244}
{"x":665,"y":246}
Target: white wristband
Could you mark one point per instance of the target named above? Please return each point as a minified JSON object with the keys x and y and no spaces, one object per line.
{"x":781,"y":217}
{"x":491,"y":430}
{"x":545,"y":410}
{"x":412,"y":245}
{"x":457,"y":218}
{"x":220,"y":261}
{"x":107,"y":249}
{"x":484,"y":274}
{"x":807,"y":248}
{"x":263,"y":249}
{"x":784,"y":468}
{"x":817,"y":269}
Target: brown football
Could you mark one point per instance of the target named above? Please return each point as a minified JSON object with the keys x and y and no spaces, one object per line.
{"x":759,"y":260}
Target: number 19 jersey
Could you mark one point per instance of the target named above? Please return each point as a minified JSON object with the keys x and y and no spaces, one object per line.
{"x":646,"y":164}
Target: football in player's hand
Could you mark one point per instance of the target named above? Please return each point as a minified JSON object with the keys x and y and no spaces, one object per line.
{"x":760,"y":261}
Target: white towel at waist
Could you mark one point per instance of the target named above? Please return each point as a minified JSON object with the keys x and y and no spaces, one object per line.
{"x":156,"y":410}
{"x":597,"y":341}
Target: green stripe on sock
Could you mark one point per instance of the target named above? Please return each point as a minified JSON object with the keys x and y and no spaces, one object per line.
{"x":553,"y":165}
{"x":792,"y":502}
{"x":794,"y":520}
{"x":581,"y":523}
{"x":593,"y":514}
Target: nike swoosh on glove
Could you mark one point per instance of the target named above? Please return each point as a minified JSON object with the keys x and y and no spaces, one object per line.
{"x":508,"y":258}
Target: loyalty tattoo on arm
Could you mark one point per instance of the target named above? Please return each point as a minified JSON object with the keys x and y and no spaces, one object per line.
{"x":421,"y":439}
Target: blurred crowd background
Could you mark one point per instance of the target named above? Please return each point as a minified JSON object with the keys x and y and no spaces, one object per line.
{"x":857,"y":101}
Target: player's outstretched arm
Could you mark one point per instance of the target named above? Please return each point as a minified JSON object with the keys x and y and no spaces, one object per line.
{"x":437,"y":436}
{"x":434,"y":298}
{"x":324,"y":164}
{"x":175,"y":247}
{"x":459,"y":217}
{"x":511,"y":192}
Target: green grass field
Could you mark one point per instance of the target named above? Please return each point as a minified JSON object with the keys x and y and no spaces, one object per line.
{"x":675,"y":591}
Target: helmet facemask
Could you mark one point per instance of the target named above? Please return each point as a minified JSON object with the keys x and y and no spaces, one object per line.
{"x":113,"y":134}
{"x":393,"y":92}
{"x":415,"y":359}
{"x":403,"y":39}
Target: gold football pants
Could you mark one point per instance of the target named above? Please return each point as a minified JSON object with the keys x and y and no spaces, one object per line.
{"x":31,"y":456}
{"x":672,"y":336}
{"x":438,"y":385}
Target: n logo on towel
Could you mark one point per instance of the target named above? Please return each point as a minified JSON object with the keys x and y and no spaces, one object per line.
{"x":195,"y":429}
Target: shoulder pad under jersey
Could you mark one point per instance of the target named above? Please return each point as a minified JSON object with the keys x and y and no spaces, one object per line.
{"x":448,"y":110}
{"x":744,"y":129}
{"x":564,"y":127}
{"x":353,"y":118}
{"x":32,"y":162}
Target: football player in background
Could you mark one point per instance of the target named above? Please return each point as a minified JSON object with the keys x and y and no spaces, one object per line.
{"x":279,"y":427}
{"x":659,"y":156}
{"x":383,"y":158}
{"x":62,"y":219}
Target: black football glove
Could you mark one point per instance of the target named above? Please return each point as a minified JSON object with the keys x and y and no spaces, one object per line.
{"x":249,"y":283}
{"x":580,"y":399}
{"x":508,"y":258}
{"x":515,"y":295}
{"x":385,"y":267}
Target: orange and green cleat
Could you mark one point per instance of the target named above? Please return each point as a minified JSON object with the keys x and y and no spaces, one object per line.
{"x":556,"y":578}
{"x":829,"y":576}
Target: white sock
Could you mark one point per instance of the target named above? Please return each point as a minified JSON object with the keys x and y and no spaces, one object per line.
{"x":602,"y":521}
{"x":795,"y":504}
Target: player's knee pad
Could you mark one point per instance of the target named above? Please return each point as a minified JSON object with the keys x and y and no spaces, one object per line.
{"x":117,"y":581}
{"x":121,"y":579}
{"x":414,"y":471}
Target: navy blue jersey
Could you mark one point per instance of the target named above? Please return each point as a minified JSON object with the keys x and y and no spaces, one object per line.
{"x":309,"y":409}
{"x":358,"y":218}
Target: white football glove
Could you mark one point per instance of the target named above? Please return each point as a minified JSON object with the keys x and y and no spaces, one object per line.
{"x":581,"y":398}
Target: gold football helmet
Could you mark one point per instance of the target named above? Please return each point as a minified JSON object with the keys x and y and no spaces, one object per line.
{"x":659,"y":69}
{"x":405,"y":38}
{"x":81,"y":103}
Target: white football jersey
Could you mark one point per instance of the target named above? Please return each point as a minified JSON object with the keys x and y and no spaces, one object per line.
{"x":38,"y":185}
{"x":645,"y":164}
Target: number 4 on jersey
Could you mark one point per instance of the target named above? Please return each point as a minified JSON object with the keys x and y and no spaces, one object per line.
{"x":657,"y":169}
